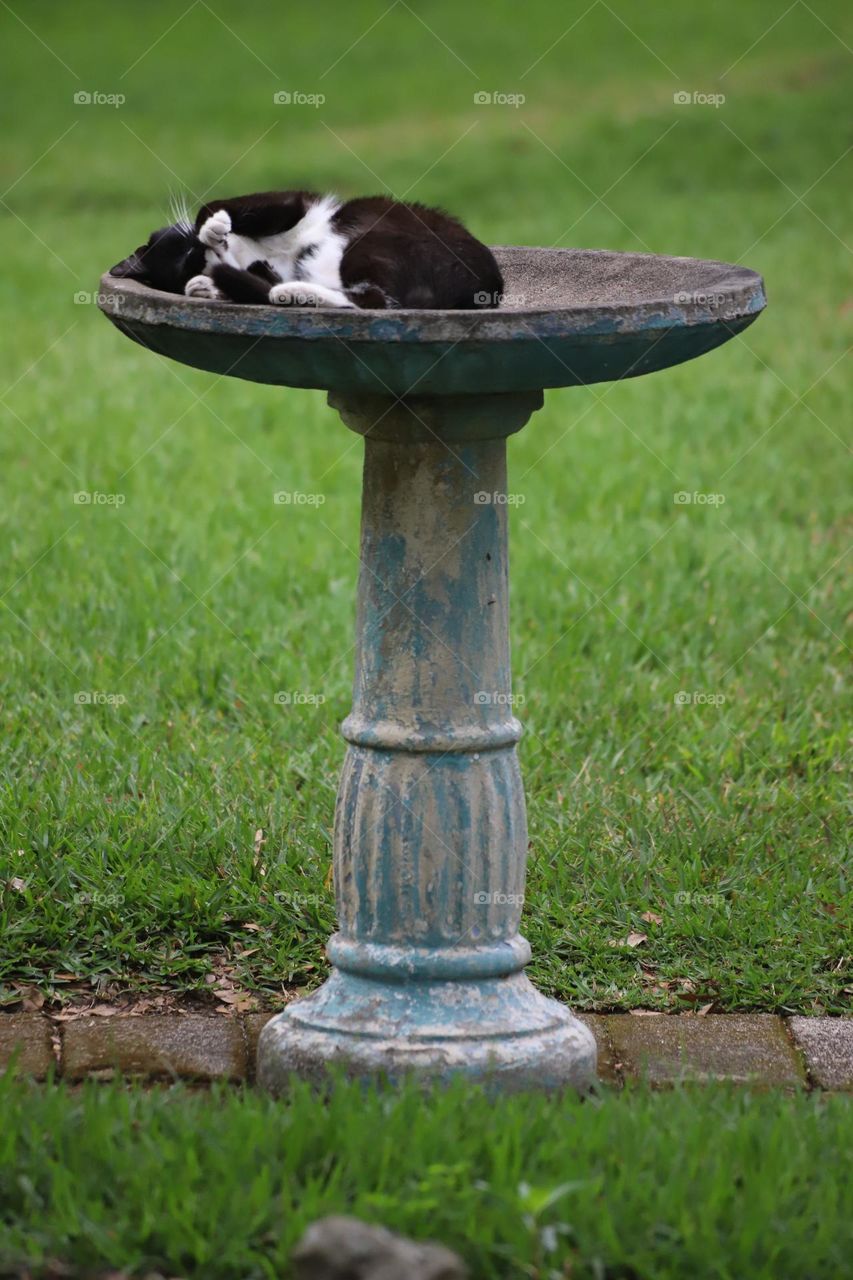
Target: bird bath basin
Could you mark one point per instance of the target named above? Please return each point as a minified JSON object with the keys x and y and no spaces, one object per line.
{"x":430,"y":832}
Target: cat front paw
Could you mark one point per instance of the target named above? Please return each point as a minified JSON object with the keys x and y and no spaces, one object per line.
{"x":216,"y":230}
{"x":201,"y":287}
{"x":295,"y":293}
{"x":292,"y":295}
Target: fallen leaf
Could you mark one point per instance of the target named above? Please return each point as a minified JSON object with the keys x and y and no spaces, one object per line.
{"x":17,"y":884}
{"x":635,"y":939}
{"x":32,"y":999}
{"x":651,"y":918}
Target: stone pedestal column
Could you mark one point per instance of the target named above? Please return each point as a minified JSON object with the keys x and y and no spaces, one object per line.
{"x":430,"y":828}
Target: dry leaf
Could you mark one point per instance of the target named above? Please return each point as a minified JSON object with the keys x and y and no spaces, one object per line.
{"x":635,"y":939}
{"x":32,"y":999}
{"x":651,"y":918}
{"x":17,"y":884}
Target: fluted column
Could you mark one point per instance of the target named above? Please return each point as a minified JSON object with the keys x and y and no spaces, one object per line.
{"x":430,"y":827}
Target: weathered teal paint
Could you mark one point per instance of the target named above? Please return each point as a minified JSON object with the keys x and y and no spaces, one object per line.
{"x":575,"y":316}
{"x":430,"y":829}
{"x":430,"y":826}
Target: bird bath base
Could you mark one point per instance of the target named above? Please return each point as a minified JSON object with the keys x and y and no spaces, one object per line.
{"x":430,"y":828}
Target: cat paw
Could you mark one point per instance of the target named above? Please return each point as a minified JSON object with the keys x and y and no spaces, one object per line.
{"x":201,"y":287}
{"x":216,"y":230}
{"x":294,"y":293}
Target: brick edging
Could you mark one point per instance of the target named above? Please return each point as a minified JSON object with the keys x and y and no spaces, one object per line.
{"x":759,"y":1047}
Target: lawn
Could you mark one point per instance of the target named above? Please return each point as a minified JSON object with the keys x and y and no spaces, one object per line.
{"x":162,"y":816}
{"x":223,"y":1185}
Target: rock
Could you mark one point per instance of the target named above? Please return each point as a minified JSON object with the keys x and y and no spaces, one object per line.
{"x":339,"y":1248}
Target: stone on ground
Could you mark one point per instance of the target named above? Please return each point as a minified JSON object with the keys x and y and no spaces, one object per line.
{"x":340,"y":1248}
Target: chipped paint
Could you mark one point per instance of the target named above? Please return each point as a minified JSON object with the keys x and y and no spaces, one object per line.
{"x":430,"y":828}
{"x":583,"y":316}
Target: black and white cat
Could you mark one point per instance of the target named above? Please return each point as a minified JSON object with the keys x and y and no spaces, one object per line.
{"x":296,"y":248}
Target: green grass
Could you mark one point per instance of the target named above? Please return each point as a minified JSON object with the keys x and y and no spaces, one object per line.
{"x":698,"y":1183}
{"x":127,"y":851}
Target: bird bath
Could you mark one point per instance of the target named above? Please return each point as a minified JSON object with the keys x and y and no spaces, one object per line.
{"x":430,"y":830}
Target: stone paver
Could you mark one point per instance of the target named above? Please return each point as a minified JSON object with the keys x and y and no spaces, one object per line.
{"x":827,"y":1044}
{"x":663,"y":1048}
{"x":189,"y":1046}
{"x":28,"y":1034}
{"x":253,"y":1024}
{"x":740,"y":1047}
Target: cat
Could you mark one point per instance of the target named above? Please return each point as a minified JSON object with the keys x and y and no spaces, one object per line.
{"x":297,"y":248}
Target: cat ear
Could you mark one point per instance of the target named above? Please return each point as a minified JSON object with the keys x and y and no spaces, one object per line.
{"x":132,"y":268}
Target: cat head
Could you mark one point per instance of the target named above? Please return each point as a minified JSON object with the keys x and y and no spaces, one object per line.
{"x":169,"y":258}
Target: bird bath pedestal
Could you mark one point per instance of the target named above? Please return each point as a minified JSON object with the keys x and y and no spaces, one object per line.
{"x":430,"y":831}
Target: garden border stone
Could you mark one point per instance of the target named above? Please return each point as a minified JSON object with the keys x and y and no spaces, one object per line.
{"x":827,"y":1046}
{"x":759,"y":1048}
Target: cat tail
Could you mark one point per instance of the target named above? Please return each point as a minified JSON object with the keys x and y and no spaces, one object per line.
{"x":241,"y":286}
